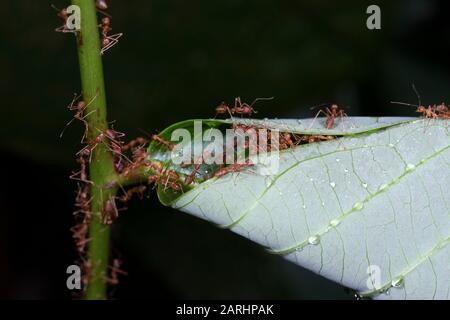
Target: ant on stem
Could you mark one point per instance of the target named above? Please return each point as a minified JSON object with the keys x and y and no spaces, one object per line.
{"x":79,"y":109}
{"x":108,"y":41}
{"x":64,"y":15}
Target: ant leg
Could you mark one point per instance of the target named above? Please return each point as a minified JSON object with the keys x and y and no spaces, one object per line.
{"x":317,"y":114}
{"x":114,"y":39}
{"x":67,"y":124}
{"x":417,"y":94}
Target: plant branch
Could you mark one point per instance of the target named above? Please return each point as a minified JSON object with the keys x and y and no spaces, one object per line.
{"x":101,"y":168}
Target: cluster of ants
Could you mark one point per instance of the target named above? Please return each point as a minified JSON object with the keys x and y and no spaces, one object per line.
{"x":108,"y":40}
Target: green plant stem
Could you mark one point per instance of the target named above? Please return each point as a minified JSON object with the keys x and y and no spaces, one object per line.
{"x":101,"y":168}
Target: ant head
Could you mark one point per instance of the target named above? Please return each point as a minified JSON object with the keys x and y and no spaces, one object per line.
{"x":110,"y":134}
{"x":81,"y":105}
{"x":106,"y":21}
{"x":420,"y":109}
{"x":101,"y":4}
{"x":334,"y":107}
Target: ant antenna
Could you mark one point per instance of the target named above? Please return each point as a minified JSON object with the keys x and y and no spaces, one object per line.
{"x":261,"y":99}
{"x":320,"y":105}
{"x":417,"y":93}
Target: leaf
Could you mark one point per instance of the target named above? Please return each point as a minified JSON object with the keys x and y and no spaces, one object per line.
{"x":369,"y":210}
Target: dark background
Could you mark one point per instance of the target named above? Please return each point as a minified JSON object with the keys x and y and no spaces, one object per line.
{"x":177,"y":60}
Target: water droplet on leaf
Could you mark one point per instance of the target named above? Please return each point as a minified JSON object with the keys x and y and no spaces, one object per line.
{"x":335,"y":222}
{"x":358,"y":206}
{"x":398,"y":282}
{"x":314,"y":240}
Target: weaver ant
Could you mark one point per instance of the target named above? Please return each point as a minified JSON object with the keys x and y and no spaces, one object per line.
{"x":236,"y":167}
{"x":82,"y":173}
{"x":440,"y":111}
{"x":114,"y":145}
{"x":240,"y":107}
{"x":223,"y":108}
{"x":108,"y":41}
{"x":64,"y":15}
{"x":167,"y":178}
{"x":115,"y":271}
{"x":160,"y":140}
{"x":79,"y":113}
{"x":331,"y":113}
{"x":80,"y":230}
{"x":110,"y":212}
{"x":133,"y":144}
{"x":190,"y":178}
{"x":139,"y":190}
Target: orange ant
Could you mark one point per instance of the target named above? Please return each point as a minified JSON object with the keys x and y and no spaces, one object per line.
{"x":240,"y":107}
{"x":114,"y":145}
{"x":79,"y":111}
{"x":331,"y":113}
{"x":63,"y":14}
{"x":133,"y":144}
{"x":115,"y":271}
{"x":110,"y":212}
{"x":81,"y":230}
{"x":190,"y":178}
{"x":236,"y":167}
{"x":168,"y":178}
{"x":139,"y":190}
{"x":108,"y":41}
{"x":160,"y":140}
{"x":440,"y":111}
{"x":223,"y":108}
{"x":83,"y":177}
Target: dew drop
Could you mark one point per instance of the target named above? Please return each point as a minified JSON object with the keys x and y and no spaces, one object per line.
{"x":346,"y":170}
{"x":332,"y":184}
{"x":265,"y":119}
{"x":398,"y":282}
{"x":311,"y":179}
{"x":314,"y":240}
{"x":410,"y":167}
{"x":391,"y":145}
{"x":335,"y":222}
{"x":323,"y":204}
{"x":337,"y":159}
{"x":365,"y":185}
{"x":280,"y":193}
{"x":383,"y":187}
{"x":304,"y":206}
{"x":358,"y":206}
{"x":299,"y":121}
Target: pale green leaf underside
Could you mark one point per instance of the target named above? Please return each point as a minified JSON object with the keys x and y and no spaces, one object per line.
{"x":376,"y":199}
